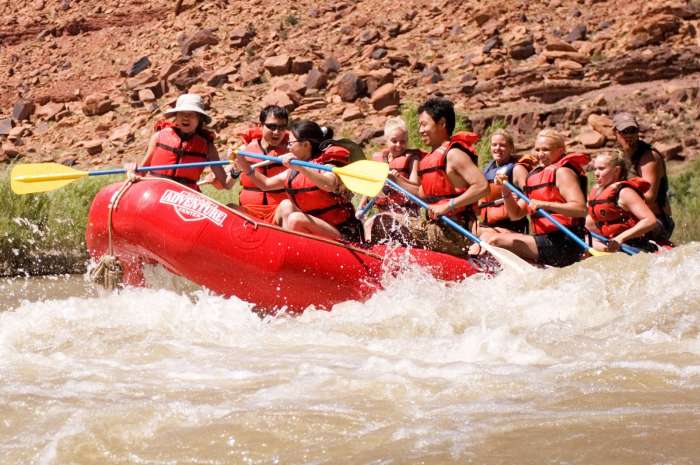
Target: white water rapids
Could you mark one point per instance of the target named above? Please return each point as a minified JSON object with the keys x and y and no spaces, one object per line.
{"x":598,"y":363}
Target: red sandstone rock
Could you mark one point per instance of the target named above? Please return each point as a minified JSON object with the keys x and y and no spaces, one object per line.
{"x":592,"y":139}
{"x":602,"y":124}
{"x":97,"y":104}
{"x":93,"y":147}
{"x":385,"y":96}
{"x":278,"y":65}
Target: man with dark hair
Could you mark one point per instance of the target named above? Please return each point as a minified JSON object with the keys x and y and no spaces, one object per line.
{"x":451,"y":181}
{"x":646,"y":162}
{"x":278,"y":112}
{"x":269,"y":138}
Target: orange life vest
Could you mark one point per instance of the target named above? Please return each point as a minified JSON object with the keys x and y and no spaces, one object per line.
{"x":436,"y":185}
{"x":308,"y":197}
{"x":172,"y":149}
{"x":403,"y":165}
{"x":492,"y":210}
{"x":609,"y":217}
{"x":542,"y":185}
{"x":251,"y":194}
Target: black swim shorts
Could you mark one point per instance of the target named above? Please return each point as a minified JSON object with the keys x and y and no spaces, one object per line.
{"x":557,"y":249}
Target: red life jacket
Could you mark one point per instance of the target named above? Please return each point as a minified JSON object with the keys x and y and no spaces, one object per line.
{"x":402,"y":165}
{"x":436,"y":185}
{"x":609,"y":217}
{"x":172,"y":149}
{"x":308,"y":197}
{"x":251,"y":194}
{"x":542,"y":185}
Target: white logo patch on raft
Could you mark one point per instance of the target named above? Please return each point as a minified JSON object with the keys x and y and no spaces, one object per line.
{"x":192,"y":207}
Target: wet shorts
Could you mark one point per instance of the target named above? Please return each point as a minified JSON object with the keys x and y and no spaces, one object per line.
{"x":435,"y":235}
{"x":351,"y":230}
{"x":556,"y":249}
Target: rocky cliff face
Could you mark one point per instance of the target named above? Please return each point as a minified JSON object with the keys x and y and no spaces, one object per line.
{"x":84,"y":81}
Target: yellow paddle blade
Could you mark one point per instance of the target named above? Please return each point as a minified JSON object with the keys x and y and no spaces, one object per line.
{"x":364,"y":177}
{"x":42,"y":177}
{"x":597,"y":253}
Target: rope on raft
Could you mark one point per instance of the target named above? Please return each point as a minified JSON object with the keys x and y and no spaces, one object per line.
{"x":108,"y":273}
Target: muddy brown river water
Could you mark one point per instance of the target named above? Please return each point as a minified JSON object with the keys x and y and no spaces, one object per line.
{"x":595,"y":364}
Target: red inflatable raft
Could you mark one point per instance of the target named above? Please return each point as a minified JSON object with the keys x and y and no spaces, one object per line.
{"x":232,"y":254}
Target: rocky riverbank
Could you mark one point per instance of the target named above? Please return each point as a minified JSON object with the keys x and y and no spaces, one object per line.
{"x":84,"y":83}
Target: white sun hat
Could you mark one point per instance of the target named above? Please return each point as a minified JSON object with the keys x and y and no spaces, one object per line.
{"x":190,"y":102}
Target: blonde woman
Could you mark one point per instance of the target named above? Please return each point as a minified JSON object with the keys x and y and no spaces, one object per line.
{"x":394,"y":207}
{"x":616,"y":206}
{"x":557,"y":185}
{"x":493,"y":216}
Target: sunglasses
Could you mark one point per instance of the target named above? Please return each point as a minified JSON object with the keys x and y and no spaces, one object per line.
{"x":630,"y":131}
{"x":275,"y":127}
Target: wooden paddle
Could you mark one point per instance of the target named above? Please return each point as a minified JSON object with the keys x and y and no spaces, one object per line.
{"x":364,"y":177}
{"x":505,"y":257}
{"x":42,"y":177}
{"x":556,"y":223}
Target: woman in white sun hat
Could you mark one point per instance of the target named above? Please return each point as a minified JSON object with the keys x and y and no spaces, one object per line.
{"x":183,"y":140}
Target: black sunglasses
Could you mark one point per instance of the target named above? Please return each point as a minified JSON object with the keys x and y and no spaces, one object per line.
{"x":275,"y":127}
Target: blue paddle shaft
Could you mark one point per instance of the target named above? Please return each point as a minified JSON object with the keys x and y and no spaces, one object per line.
{"x":361,"y":214}
{"x":303,"y":163}
{"x":160,"y":167}
{"x":561,"y":227}
{"x":445,"y":219}
{"x":628,"y":249}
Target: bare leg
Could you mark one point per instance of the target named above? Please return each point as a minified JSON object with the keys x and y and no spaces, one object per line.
{"x":284,"y":209}
{"x":522,"y":245}
{"x":298,"y":221}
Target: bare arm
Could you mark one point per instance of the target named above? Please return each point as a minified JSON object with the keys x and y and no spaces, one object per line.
{"x":574,"y":204}
{"x":219,"y":173}
{"x":413,"y":182}
{"x":631,"y":201}
{"x":519,"y":175}
{"x":260,"y":180}
{"x":462,"y":173}
{"x":649,"y":168}
{"x":477,"y":186}
{"x":146,"y":161}
{"x":325,"y":180}
{"x":516,"y":209}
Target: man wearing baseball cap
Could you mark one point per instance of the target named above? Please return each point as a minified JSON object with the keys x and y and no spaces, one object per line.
{"x":648,"y":163}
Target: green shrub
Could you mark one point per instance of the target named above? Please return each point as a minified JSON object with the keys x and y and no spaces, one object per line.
{"x":685,"y":202}
{"x":50,"y":223}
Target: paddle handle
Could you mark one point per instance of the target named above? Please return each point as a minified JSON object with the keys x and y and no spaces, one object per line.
{"x":561,"y":227}
{"x":628,"y":249}
{"x":303,"y":163}
{"x":445,"y":219}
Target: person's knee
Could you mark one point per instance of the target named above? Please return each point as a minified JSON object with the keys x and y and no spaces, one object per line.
{"x":282,"y":212}
{"x":499,"y":240}
{"x":296,"y":221}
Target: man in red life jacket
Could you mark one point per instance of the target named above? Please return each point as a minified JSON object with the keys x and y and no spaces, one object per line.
{"x":450,"y":179}
{"x":185,"y":140}
{"x":557,"y":185}
{"x":269,"y":138}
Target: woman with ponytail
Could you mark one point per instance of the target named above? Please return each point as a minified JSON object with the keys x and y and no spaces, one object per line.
{"x":318,"y":202}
